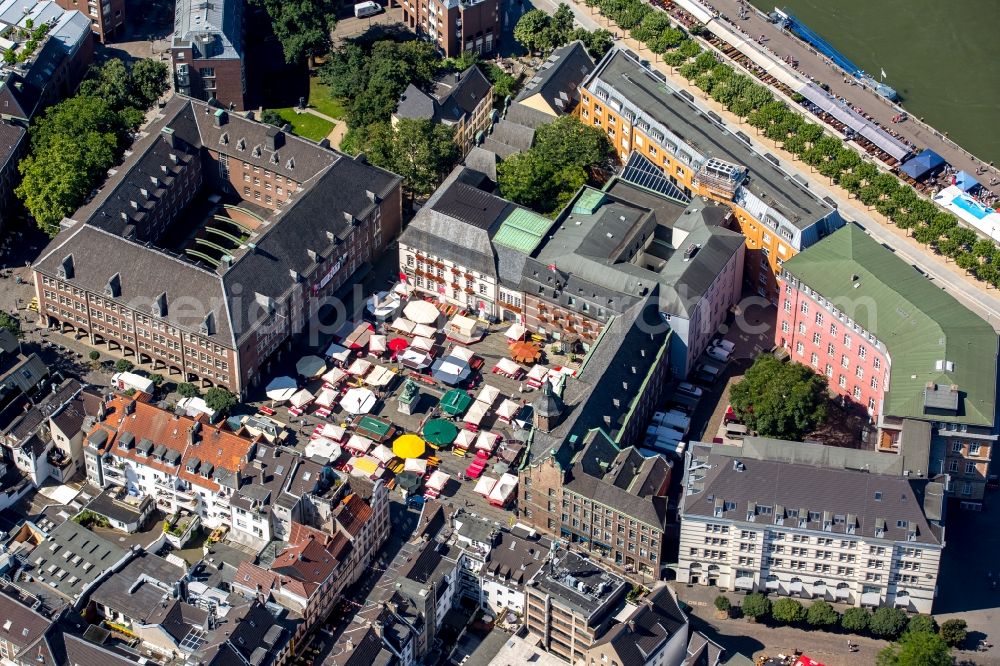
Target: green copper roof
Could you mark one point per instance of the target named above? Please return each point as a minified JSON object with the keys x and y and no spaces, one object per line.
{"x":930,"y":337}
{"x":588,"y":201}
{"x":523,"y":230}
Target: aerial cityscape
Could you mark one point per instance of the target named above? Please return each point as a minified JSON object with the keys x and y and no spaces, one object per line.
{"x":492,"y":332}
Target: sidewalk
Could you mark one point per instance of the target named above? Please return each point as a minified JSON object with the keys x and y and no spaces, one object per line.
{"x":972,"y":293}
{"x":754,"y":639}
{"x":812,"y":65}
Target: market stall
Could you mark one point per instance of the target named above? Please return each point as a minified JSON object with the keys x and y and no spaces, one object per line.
{"x":358,"y":401}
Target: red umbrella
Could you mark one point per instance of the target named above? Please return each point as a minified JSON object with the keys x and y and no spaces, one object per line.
{"x":397,"y":345}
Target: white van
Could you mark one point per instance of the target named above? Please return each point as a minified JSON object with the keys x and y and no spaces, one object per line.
{"x":123,"y":381}
{"x":369,"y":8}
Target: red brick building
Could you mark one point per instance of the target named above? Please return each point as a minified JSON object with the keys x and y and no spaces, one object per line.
{"x":107,"y":17}
{"x":207,"y":52}
{"x":153,"y":270}
{"x":456,"y":26}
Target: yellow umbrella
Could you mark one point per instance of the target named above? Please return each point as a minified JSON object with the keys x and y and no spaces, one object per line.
{"x":366,"y":465}
{"x":408,"y":446}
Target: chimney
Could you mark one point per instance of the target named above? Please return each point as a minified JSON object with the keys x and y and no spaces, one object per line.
{"x":160,"y":305}
{"x":372,"y":197}
{"x":168,"y":135}
{"x":294,"y":274}
{"x":221,"y":118}
{"x":274,"y":139}
{"x":350,"y":218}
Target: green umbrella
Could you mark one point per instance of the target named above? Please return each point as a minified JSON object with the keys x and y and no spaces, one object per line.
{"x":440,"y":432}
{"x":455,"y":402}
{"x":409,"y":481}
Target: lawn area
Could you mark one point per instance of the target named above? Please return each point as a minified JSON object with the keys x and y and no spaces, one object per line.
{"x":320,"y":99}
{"x":306,"y":125}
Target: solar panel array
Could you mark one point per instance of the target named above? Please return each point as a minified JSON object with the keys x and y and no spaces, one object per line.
{"x":640,"y":171}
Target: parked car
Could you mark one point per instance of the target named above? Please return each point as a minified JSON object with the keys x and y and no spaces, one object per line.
{"x":725,"y":344}
{"x":718,"y":354}
{"x":690,"y":389}
{"x":706,"y":373}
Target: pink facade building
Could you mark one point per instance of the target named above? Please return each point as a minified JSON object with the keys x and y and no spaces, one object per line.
{"x":855,"y":363}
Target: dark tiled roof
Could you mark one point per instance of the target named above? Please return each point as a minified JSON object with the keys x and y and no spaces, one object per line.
{"x":55,"y":569}
{"x":471,"y":205}
{"x":460,"y":94}
{"x":139,"y":589}
{"x":415,"y":104}
{"x":11,"y":136}
{"x":560,"y":76}
{"x":893,"y":503}
{"x":20,"y":626}
{"x":647,"y":629}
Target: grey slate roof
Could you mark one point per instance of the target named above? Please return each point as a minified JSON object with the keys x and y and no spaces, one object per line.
{"x":872,"y":499}
{"x":652,"y":97}
{"x":332,"y":185}
{"x":11,"y":136}
{"x":415,"y":104}
{"x":139,"y":589}
{"x":213,"y":27}
{"x":560,"y":76}
{"x":56,"y":565}
{"x":594,"y":250}
{"x":483,"y":161}
{"x":645,"y":631}
{"x":458,"y":221}
{"x":516,"y":559}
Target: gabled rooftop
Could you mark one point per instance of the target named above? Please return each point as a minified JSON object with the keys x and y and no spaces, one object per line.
{"x":944,"y":356}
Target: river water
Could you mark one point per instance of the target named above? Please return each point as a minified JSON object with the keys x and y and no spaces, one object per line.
{"x":942,"y":56}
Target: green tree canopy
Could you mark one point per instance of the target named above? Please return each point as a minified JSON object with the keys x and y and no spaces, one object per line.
{"x":220,"y":400}
{"x":954,"y":632}
{"x":755,"y":605}
{"x":75,"y":142}
{"x":788,"y":610}
{"x":888,"y":622}
{"x":918,"y":648}
{"x":779,"y":399}
{"x":598,"y":42}
{"x":10,"y":323}
{"x":822,"y":614}
{"x":421,"y":151}
{"x":372,"y":80}
{"x":856,"y":620}
{"x":925,"y":623}
{"x":187,"y":390}
{"x":124,"y":365}
{"x":302,"y":26}
{"x":546,"y":176}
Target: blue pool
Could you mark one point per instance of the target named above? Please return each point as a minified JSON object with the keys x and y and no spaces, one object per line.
{"x":972,"y":207}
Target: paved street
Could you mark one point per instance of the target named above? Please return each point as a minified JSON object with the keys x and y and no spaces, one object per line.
{"x":973,"y":294}
{"x":814,"y":65}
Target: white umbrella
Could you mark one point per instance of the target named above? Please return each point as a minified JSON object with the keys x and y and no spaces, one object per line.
{"x":323,"y":448}
{"x":423,"y":344}
{"x":326,"y":397}
{"x":379,"y":376}
{"x":332,"y":431}
{"x":310,"y":366}
{"x":415,"y":465}
{"x":403,"y":325}
{"x":281,"y":389}
{"x":358,"y":401}
{"x":359,"y":367}
{"x":515,"y":332}
{"x":465,"y":439}
{"x":508,"y":409}
{"x":382,"y":453}
{"x":463,"y":353}
{"x":360,"y":445}
{"x":424,"y":331}
{"x":376,"y":344}
{"x":484,"y":485}
{"x":301,"y":398}
{"x":334,"y":375}
{"x":421,"y":312}
{"x":338,"y":352}
{"x":488,"y":395}
{"x":438,"y":480}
